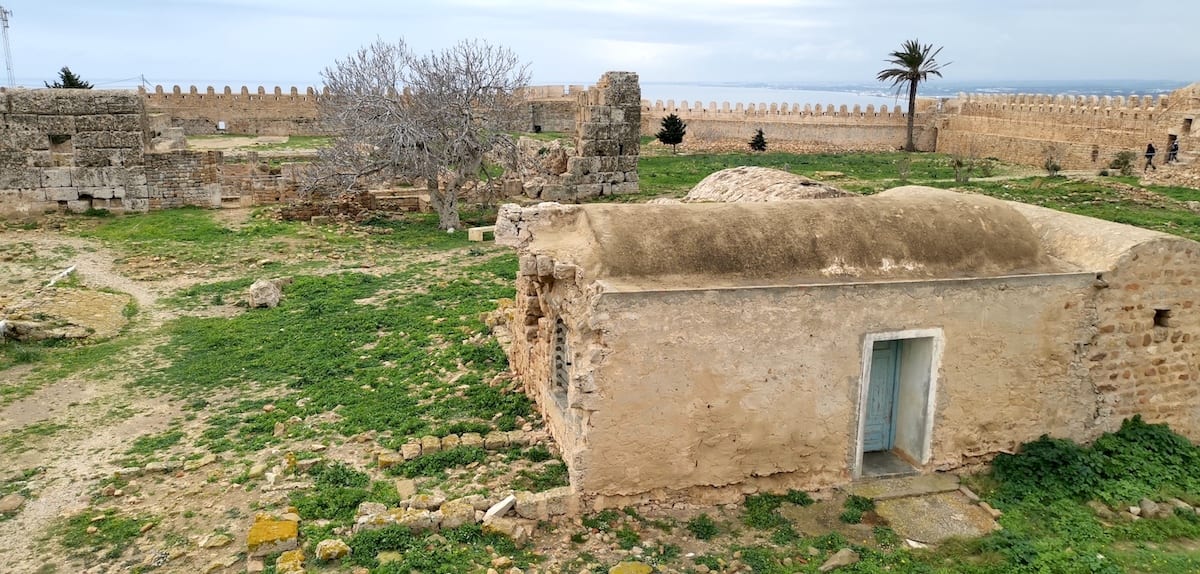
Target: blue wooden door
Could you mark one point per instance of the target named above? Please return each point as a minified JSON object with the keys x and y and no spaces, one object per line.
{"x":879,"y":430}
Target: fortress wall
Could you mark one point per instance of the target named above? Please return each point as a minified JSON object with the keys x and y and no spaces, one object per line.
{"x":838,"y":127}
{"x":244,"y":112}
{"x":1086,"y":131}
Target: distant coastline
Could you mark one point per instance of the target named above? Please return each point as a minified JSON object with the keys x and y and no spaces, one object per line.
{"x":864,"y":93}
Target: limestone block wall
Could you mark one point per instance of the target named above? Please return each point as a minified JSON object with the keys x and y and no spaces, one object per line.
{"x":552,"y":116}
{"x":260,"y":112}
{"x":72,"y":150}
{"x":1144,"y":359}
{"x":1084,"y":131}
{"x":841,"y":127}
{"x":607,"y":123}
{"x":181,"y":178}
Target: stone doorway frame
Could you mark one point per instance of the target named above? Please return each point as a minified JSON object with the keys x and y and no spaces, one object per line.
{"x":936,"y":341}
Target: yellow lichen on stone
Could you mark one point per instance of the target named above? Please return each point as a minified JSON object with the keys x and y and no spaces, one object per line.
{"x":631,"y":568}
{"x":268,"y":535}
{"x":290,"y":562}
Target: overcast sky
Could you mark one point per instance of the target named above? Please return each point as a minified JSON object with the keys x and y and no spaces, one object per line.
{"x":573,"y":41}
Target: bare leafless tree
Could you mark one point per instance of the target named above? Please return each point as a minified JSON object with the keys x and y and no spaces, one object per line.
{"x":432,"y":117}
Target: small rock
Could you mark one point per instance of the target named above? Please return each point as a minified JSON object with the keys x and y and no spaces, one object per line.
{"x":1149,"y":508}
{"x":255,"y":565}
{"x":11,"y":503}
{"x":502,"y":562}
{"x":268,"y":408}
{"x":264,"y":294}
{"x":199,"y":463}
{"x":92,"y":530}
{"x":221,"y":564}
{"x":991,"y":511}
{"x":306,"y":464}
{"x":332,"y":549}
{"x":279,"y":431}
{"x":1135,"y":510}
{"x":257,"y":470}
{"x":843,"y":557}
{"x":390,"y":458}
{"x":369,"y":508}
{"x":215,"y":541}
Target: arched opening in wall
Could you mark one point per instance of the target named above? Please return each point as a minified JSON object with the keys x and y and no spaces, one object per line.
{"x":1095,"y":153}
{"x":561,"y":375}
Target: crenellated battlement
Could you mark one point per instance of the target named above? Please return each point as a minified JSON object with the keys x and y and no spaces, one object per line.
{"x":775,"y":110}
{"x":210,"y":92}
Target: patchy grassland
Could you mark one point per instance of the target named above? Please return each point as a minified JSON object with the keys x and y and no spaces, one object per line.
{"x":379,"y":339}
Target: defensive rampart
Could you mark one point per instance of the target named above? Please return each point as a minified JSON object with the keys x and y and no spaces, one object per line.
{"x":1080,"y":132}
{"x":837,"y":127}
{"x":277,"y":112}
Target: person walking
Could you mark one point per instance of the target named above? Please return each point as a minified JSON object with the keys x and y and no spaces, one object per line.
{"x":1150,"y":151}
{"x":1173,"y":151}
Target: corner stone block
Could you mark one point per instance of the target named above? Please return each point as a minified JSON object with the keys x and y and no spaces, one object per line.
{"x":527,"y":266}
{"x":545,"y":266}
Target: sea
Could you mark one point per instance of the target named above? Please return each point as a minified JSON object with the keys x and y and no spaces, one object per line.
{"x":754,"y":92}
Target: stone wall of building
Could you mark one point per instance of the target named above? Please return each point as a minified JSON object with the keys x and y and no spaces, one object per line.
{"x":71,"y":150}
{"x":261,"y":112}
{"x":834,"y":127}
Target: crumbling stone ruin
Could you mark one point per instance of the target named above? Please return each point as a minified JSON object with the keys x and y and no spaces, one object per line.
{"x":604,"y":160}
{"x":74,"y":150}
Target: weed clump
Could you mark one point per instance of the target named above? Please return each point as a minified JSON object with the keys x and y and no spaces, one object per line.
{"x":703,"y":527}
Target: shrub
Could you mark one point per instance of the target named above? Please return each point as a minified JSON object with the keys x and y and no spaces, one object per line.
{"x":703,"y":527}
{"x":1123,"y":162}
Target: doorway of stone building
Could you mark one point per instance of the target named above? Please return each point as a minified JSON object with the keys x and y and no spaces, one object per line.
{"x":896,"y":400}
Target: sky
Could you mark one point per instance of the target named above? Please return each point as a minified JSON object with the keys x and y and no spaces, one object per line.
{"x":809,"y":42}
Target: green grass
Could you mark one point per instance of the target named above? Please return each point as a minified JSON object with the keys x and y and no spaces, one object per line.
{"x":22,"y":439}
{"x":435,"y":464}
{"x":315,"y":344}
{"x":293,"y":143}
{"x":461,"y":550}
{"x":548,"y":476}
{"x":185,"y":234}
{"x":114,"y":533}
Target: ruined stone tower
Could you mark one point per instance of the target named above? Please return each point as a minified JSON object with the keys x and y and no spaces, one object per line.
{"x":606,"y":138}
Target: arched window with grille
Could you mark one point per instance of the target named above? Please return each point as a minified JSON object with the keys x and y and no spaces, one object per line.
{"x":562,"y":362}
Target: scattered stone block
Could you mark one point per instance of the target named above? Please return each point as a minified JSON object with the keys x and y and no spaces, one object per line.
{"x":215,"y":541}
{"x":631,"y":568}
{"x":456,"y":513}
{"x":500,"y":508}
{"x":417,"y":520}
{"x":426,"y":502}
{"x":518,"y":438}
{"x":517,"y":529}
{"x":410,"y":450}
{"x":290,"y":562}
{"x":451,"y":441}
{"x":268,"y":536}
{"x":368,"y":508}
{"x":332,"y":549}
{"x":406,"y":487}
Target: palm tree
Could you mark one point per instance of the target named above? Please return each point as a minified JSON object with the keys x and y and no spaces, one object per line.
{"x":914,"y":64}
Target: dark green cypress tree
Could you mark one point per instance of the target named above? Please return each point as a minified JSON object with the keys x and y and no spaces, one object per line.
{"x":672,"y":132}
{"x":68,"y":79}
{"x":758,"y":143}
